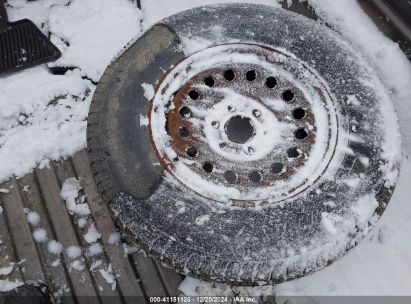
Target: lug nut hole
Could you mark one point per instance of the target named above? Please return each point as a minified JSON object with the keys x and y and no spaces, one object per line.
{"x":299,"y":113}
{"x":209,"y":81}
{"x":230,"y":109}
{"x":251,"y":75}
{"x":271,"y":82}
{"x":229,"y":75}
{"x":256,"y":113}
{"x":288,"y":95}
{"x":192,"y":151}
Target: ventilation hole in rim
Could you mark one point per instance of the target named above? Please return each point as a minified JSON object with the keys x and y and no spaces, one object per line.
{"x":277,"y":168}
{"x":183,"y":132}
{"x":208,"y":167}
{"x":215,"y":124}
{"x":229,"y":75}
{"x":251,"y":75}
{"x":255,"y":176}
{"x":288,"y":95}
{"x":293,"y":153}
{"x":299,"y":113}
{"x":301,"y":133}
{"x":230,"y":176}
{"x":192,"y":151}
{"x":209,"y":81}
{"x":193,"y":94}
{"x":271,"y":82}
{"x":185,"y":112}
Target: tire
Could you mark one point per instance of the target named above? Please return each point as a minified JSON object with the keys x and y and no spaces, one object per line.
{"x":222,"y":241}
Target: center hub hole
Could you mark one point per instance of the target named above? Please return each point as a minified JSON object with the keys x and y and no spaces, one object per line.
{"x":239,"y":129}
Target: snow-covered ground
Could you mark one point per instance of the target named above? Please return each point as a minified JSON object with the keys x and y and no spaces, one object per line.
{"x":43,"y":117}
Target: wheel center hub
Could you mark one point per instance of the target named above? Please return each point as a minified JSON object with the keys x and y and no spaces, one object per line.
{"x":239,"y":129}
{"x":244,"y":123}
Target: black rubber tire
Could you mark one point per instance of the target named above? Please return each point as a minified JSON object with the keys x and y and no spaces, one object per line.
{"x":29,"y":293}
{"x":143,"y":201}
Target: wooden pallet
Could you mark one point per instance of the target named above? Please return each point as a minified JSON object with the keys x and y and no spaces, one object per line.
{"x":138,"y":277}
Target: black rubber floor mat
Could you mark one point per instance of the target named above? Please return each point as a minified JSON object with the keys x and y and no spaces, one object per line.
{"x":23,"y":45}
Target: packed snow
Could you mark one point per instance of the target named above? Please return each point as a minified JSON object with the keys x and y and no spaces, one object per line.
{"x":109,"y":276}
{"x":202,"y":219}
{"x":40,"y":235}
{"x":56,"y":263}
{"x":47,"y":119}
{"x":73,"y":251}
{"x":55,"y":247}
{"x":90,"y":32}
{"x":95,"y":249}
{"x":130,"y":249}
{"x":6,"y":285}
{"x":114,"y":238}
{"x":33,"y":218}
{"x":82,"y":222}
{"x":77,"y":265}
{"x":92,"y":234}
{"x":6,"y":270}
{"x":148,"y":90}
{"x":70,"y":193}
{"x":96,"y":265}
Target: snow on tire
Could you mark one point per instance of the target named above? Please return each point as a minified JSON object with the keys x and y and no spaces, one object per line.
{"x":241,"y":150}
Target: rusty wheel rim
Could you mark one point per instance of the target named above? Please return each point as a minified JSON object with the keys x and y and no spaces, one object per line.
{"x":254,"y":124}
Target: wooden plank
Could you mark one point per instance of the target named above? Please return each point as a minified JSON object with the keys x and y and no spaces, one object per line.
{"x":21,"y":234}
{"x":56,"y":275}
{"x":171,"y":279}
{"x":82,"y":283}
{"x":7,"y":252}
{"x":129,"y":283}
{"x":146,"y":268}
{"x":138,"y":276}
{"x":149,"y":276}
{"x":64,"y":170}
